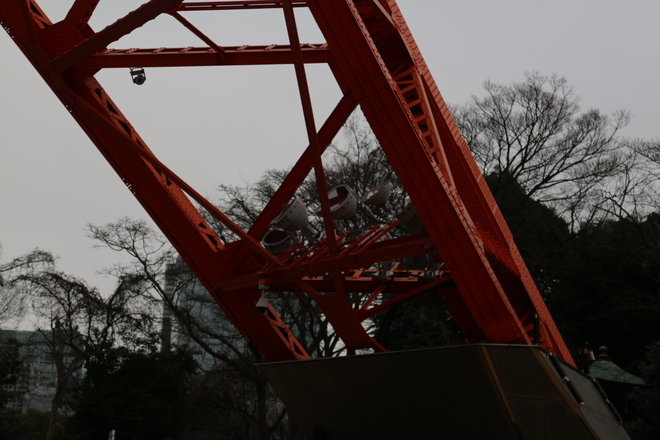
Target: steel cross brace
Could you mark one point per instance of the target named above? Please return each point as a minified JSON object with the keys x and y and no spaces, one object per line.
{"x":378,"y":66}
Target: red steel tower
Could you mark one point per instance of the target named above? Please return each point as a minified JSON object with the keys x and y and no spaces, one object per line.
{"x":378,"y":67}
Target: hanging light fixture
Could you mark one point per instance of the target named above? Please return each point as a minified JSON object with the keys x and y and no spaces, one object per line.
{"x":294,"y":218}
{"x":378,"y":196}
{"x":138,"y":76}
{"x":343,"y":202}
{"x":277,"y":241}
{"x":410,"y":219}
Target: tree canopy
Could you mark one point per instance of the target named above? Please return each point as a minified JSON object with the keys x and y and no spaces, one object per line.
{"x":534,"y":133}
{"x":139,"y":395}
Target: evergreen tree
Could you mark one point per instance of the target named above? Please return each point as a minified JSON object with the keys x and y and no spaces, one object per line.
{"x":139,"y":395}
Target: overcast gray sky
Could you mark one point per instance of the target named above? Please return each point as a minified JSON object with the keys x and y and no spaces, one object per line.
{"x":229,"y":124}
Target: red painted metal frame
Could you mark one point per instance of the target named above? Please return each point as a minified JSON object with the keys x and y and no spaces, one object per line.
{"x":378,"y":67}
{"x":204,"y":56}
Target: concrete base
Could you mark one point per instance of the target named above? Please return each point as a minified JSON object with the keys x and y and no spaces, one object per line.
{"x":464,"y":392}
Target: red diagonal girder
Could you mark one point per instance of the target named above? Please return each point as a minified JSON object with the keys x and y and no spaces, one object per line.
{"x":378,"y":66}
{"x":163,"y":200}
{"x":112,"y":33}
{"x":473,"y":190}
{"x":448,"y":218}
{"x":79,"y":14}
{"x":151,"y":182}
{"x":444,"y":215}
{"x":430,"y":113}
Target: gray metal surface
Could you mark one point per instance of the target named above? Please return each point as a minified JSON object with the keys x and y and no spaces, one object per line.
{"x":464,"y":392}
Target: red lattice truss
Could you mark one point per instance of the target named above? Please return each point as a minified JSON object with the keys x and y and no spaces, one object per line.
{"x":378,"y":66}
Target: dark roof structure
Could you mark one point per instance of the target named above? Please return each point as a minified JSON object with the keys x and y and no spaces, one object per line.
{"x":604,"y":369}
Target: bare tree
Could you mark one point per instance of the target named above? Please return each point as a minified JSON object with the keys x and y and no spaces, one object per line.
{"x":647,"y":174}
{"x":76,"y":324}
{"x":199,"y":322}
{"x":356,"y":161}
{"x":534,"y":133}
{"x":12,"y":296}
{"x":361,"y":164}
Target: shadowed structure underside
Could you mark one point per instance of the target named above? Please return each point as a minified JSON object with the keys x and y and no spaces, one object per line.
{"x":470,"y":392}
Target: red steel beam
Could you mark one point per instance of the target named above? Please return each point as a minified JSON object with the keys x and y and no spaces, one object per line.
{"x":165,"y":202}
{"x":303,"y":166}
{"x":378,"y":66}
{"x":114,"y":32}
{"x":80,"y":12}
{"x":219,"y":51}
{"x":204,"y":56}
{"x":474,"y":192}
{"x":439,"y":204}
{"x":220,"y":6}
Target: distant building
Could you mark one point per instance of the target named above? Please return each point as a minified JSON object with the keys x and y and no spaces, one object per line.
{"x":193,"y":298}
{"x":37,"y":379}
